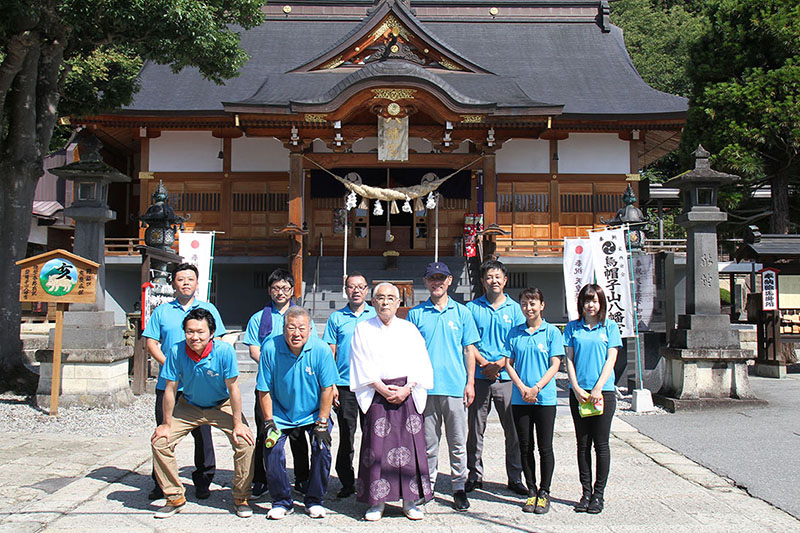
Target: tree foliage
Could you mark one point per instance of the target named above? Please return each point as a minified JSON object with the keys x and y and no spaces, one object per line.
{"x":745,"y":99}
{"x":83,"y":56}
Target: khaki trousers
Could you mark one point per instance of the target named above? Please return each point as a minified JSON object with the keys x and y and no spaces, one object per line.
{"x":185,"y":418}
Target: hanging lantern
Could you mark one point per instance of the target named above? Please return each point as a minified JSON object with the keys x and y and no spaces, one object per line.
{"x":418,"y":205}
{"x":393,"y":208}
{"x":364,"y":203}
{"x":407,"y":205}
{"x":350,"y":203}
{"x":430,"y":203}
{"x":378,"y":211}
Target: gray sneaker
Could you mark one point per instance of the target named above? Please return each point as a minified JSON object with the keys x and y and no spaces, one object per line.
{"x":172,"y":507}
{"x":242,"y":509}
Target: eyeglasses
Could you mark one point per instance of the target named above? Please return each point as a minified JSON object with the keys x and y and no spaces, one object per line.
{"x":361,"y":288}
{"x":387,"y":299}
{"x":284,"y":289}
{"x":299,"y":329}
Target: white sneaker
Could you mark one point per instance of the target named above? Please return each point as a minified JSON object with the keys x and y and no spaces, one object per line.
{"x":316,"y":511}
{"x":411,"y":511}
{"x":276,"y":513}
{"x":374,"y":513}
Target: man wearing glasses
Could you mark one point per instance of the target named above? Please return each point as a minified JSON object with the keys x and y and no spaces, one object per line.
{"x":264,"y":325}
{"x":338,"y":334}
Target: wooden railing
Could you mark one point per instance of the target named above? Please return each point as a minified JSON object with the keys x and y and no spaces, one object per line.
{"x":521,"y":247}
{"x":223,"y":246}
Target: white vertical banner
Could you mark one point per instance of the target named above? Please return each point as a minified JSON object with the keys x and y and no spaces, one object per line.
{"x":644,"y":288}
{"x":612,"y":273}
{"x":578,"y":271}
{"x":195,"y":248}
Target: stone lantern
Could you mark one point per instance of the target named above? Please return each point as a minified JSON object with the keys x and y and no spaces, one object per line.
{"x":161,"y":221}
{"x":705,"y":363}
{"x":633,"y":217}
{"x":94,"y":356}
{"x":90,"y":177}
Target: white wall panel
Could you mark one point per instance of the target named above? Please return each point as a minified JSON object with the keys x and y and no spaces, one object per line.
{"x":523,"y":156}
{"x":259,"y":154}
{"x":593,"y":153}
{"x":185,"y":151}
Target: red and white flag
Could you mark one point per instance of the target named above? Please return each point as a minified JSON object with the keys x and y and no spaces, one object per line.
{"x":578,"y":271}
{"x":196,"y":248}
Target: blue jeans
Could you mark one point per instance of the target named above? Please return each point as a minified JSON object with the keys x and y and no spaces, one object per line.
{"x":278,"y":480}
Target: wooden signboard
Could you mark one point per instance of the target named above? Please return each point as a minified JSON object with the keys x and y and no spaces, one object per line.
{"x":789,"y":292}
{"x":62,"y":278}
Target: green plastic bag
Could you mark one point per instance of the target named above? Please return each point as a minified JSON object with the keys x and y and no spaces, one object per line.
{"x":590,"y":408}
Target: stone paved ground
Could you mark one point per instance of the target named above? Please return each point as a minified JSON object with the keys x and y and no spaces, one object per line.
{"x":57,"y":482}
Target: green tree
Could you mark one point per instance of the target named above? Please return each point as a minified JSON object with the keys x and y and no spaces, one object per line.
{"x":80,"y":56}
{"x":745,"y":100}
{"x":659,"y":35}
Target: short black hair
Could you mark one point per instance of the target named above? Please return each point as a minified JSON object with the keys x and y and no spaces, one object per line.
{"x":185,"y":266}
{"x":280,"y":274}
{"x":355,"y":274}
{"x":492,"y":264}
{"x":199,"y":313}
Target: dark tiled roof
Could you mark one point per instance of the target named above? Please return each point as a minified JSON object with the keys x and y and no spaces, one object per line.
{"x":572,"y":64}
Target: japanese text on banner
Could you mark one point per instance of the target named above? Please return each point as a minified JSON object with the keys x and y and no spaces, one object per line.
{"x":578,"y":271}
{"x":612,"y":273}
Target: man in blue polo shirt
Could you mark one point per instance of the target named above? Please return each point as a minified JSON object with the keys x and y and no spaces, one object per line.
{"x":296,"y":376}
{"x":450,"y":334}
{"x":495,"y":314}
{"x":210,"y":376}
{"x":163,"y":331}
{"x":338,"y":334}
{"x":265,"y":324}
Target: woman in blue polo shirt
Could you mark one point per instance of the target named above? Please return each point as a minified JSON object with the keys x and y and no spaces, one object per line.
{"x":536,"y":348}
{"x":592,"y":343}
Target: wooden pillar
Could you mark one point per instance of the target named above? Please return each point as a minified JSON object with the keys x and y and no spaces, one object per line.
{"x":144,"y":169}
{"x":227,"y":200}
{"x":555,"y":199}
{"x":489,"y":189}
{"x":296,"y":194}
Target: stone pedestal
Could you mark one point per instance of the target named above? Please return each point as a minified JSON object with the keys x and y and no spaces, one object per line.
{"x":705,"y":365}
{"x":94,"y":371}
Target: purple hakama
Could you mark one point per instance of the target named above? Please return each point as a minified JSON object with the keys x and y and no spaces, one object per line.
{"x":393,"y":463}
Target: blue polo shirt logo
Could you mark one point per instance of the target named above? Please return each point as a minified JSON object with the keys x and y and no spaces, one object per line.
{"x":506,"y":319}
{"x":452,"y":325}
{"x":309,"y":371}
{"x":211,"y":373}
{"x":603,"y":337}
{"x":543,"y":348}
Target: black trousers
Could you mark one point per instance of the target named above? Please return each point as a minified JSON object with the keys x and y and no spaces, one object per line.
{"x":298,"y":443}
{"x":348,"y":414}
{"x":542,"y":419}
{"x":594,"y":430}
{"x":205,"y":465}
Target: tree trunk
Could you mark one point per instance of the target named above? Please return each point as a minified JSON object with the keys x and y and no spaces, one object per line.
{"x":17,"y":188}
{"x":779,"y":222}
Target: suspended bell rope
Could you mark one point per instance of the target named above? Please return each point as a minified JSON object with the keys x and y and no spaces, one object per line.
{"x":400,"y":193}
{"x":390,"y":195}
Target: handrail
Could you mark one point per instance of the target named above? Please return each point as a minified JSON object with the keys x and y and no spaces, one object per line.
{"x":316,"y":280}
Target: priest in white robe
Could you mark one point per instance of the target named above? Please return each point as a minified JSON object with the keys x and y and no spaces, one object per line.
{"x":390,"y":373}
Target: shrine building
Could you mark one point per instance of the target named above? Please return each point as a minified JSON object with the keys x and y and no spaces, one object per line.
{"x":533,"y":110}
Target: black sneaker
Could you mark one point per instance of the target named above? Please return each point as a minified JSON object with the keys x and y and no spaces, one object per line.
{"x":156,"y":493}
{"x":542,"y":502}
{"x":259,"y":490}
{"x":595,"y":505}
{"x":345,"y":492}
{"x":518,"y":487}
{"x":583,"y":505}
{"x":530,"y":505}
{"x":202,"y":493}
{"x":472,"y":485}
{"x":301,"y":486}
{"x":460,"y":501}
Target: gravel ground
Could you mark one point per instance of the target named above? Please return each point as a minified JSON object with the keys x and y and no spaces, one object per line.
{"x":21,"y":414}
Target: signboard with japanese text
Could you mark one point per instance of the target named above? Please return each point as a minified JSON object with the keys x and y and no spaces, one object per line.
{"x":769,"y":289}
{"x":789,"y":292}
{"x":57,"y":276}
{"x":613,"y":275}
{"x":197,"y":248}
{"x":644,"y":288}
{"x":578,"y":271}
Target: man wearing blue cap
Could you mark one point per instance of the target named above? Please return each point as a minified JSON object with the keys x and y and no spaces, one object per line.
{"x":450,"y":334}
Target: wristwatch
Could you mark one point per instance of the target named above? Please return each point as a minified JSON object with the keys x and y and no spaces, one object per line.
{"x":322,"y":421}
